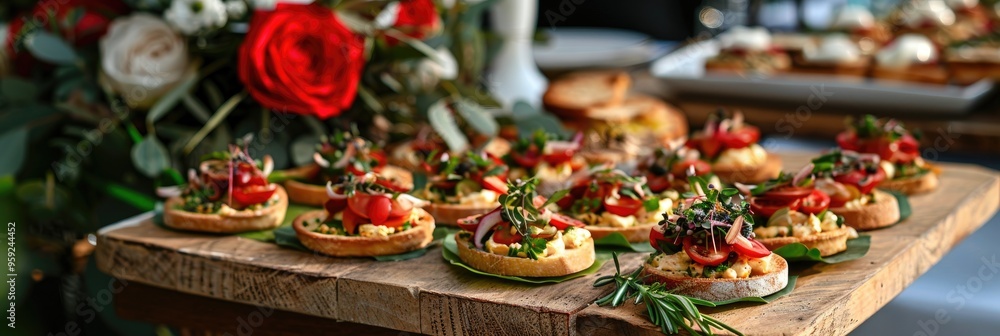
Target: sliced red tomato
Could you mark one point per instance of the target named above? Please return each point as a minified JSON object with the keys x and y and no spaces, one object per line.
{"x":502,"y":234}
{"x":470,"y":223}
{"x":398,"y":208}
{"x":848,"y":140}
{"x":680,"y":169}
{"x":562,"y":222}
{"x":333,"y":206}
{"x":495,"y":183}
{"x":529,"y":159}
{"x":624,"y":206}
{"x":788,"y":193}
{"x":351,"y":221}
{"x":815,"y":203}
{"x":707,"y":256}
{"x":378,"y":209}
{"x":766,"y":207}
{"x":758,"y":250}
{"x":743,"y":137}
{"x":656,"y":238}
{"x":708,"y":146}
{"x":858,"y":177}
{"x":557,"y":158}
{"x":254,"y":194}
{"x":658,"y":184}
{"x":390,"y":184}
{"x":850,"y":193}
{"x":395,"y":221}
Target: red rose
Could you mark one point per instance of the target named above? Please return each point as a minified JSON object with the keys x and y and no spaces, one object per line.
{"x":301,"y":59}
{"x":417,"y":19}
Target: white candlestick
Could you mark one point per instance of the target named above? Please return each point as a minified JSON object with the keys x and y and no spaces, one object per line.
{"x":513,"y":74}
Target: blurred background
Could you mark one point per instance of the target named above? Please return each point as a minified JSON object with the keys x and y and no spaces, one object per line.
{"x":60,"y":192}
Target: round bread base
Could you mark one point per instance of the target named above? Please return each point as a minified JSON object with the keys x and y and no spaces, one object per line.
{"x":315,"y":195}
{"x":634,"y":234}
{"x":828,"y":242}
{"x":914,"y":185}
{"x":242,"y":221}
{"x":884,"y":212}
{"x":931,"y":74}
{"x":722,"y":289}
{"x":750,"y":175}
{"x":568,"y":262}
{"x":449,"y":214}
{"x":421,"y":234}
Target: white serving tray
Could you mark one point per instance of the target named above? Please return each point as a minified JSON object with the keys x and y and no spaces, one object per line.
{"x":683,"y":72}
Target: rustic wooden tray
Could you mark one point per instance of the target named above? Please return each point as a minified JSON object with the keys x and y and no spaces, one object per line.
{"x":427,"y":295}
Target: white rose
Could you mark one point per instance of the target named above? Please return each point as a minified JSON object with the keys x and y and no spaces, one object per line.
{"x":142,"y":58}
{"x":192,"y":16}
{"x":236,"y":8}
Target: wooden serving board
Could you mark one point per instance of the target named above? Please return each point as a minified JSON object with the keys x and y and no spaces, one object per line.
{"x":427,"y":295}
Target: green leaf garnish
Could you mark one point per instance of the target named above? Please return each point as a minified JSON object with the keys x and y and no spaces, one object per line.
{"x":856,"y":248}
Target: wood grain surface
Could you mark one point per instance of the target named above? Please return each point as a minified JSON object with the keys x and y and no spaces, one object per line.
{"x":427,"y":295}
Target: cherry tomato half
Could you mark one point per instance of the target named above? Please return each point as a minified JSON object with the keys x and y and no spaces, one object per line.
{"x":562,"y":222}
{"x":680,"y":169}
{"x":766,"y":207}
{"x":529,"y":159}
{"x":494,"y":183}
{"x":858,"y":177}
{"x":788,"y":193}
{"x":333,"y":206}
{"x":741,"y":138}
{"x":815,"y":203}
{"x":707,"y":256}
{"x":502,"y":234}
{"x":378,"y":209}
{"x":848,"y":140}
{"x":758,"y":250}
{"x":351,"y":221}
{"x":254,"y":194}
{"x":656,"y":238}
{"x":623,"y":206}
{"x":658,"y":184}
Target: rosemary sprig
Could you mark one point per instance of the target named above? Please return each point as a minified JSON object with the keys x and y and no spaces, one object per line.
{"x":671,"y":312}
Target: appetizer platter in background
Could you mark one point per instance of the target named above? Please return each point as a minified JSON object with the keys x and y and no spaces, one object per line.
{"x":925,"y":57}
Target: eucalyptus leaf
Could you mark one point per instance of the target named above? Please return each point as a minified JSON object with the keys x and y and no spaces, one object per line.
{"x":50,"y":48}
{"x":523,"y":110}
{"x":13,"y":150}
{"x":477,"y":117}
{"x":444,"y":124}
{"x":150,"y":156}
{"x":450,"y":253}
{"x":856,"y":248}
{"x":14,"y":117}
{"x":548,"y":123}
{"x":792,"y":279}
{"x":617,"y":242}
{"x":167,"y":102}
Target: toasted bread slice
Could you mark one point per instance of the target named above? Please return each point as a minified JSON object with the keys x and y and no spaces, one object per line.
{"x":241,"y":221}
{"x":722,"y":289}
{"x":312,"y":194}
{"x":449,"y":214}
{"x":828,"y":242}
{"x":634,"y":234}
{"x":568,"y":262}
{"x":571,"y":95}
{"x":884,"y":212}
{"x":930,"y":74}
{"x":421,"y":234}
{"x":968,"y":72}
{"x":750,"y":175}
{"x":913,"y":185}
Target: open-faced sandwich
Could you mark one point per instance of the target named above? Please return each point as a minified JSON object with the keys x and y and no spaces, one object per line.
{"x":794,"y":211}
{"x":428,"y":146}
{"x":850,"y":179}
{"x":748,"y":50}
{"x":910,"y":58}
{"x":731,"y":147}
{"x":835,"y":55}
{"x":898,"y":149}
{"x":463,"y":185}
{"x":706,"y":250}
{"x":610,"y":201}
{"x":545,"y":156}
{"x":365,"y":216}
{"x":229,"y":193}
{"x":973,"y":60}
{"x":858,"y":22}
{"x":522,"y":237}
{"x":336,"y":156}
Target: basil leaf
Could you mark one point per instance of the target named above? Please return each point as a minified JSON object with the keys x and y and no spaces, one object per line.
{"x":856,"y":248}
{"x":616,"y":242}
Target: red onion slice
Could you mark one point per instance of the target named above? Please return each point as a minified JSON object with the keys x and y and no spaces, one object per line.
{"x":734,"y":231}
{"x":268,"y":165}
{"x":803,"y":173}
{"x":413,"y":200}
{"x":322,"y":162}
{"x":333,"y":194}
{"x":485,"y":225}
